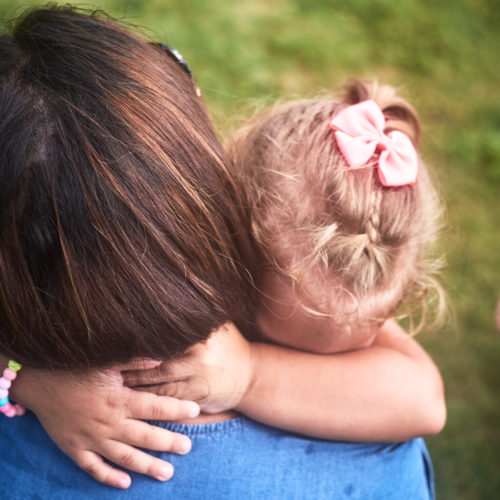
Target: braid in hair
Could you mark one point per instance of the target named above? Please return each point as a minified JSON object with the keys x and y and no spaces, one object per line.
{"x":373,"y":221}
{"x":330,"y":227}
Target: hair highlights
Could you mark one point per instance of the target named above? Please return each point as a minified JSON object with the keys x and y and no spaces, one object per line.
{"x":121,"y":227}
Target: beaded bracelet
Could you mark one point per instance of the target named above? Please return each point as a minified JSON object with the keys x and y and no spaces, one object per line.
{"x":6,"y":407}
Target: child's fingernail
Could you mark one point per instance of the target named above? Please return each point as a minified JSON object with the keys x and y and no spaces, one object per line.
{"x":185,"y":446}
{"x":194,"y":410}
{"x":165,"y":473}
{"x":124,"y":482}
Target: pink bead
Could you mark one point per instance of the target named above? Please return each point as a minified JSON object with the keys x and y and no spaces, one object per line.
{"x":4,"y":383}
{"x":20,"y":410}
{"x":9,"y":374}
{"x":4,"y":393}
{"x":6,"y":408}
{"x":11,"y":412}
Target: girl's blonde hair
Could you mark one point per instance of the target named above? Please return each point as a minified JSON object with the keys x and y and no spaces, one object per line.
{"x":321,"y":223}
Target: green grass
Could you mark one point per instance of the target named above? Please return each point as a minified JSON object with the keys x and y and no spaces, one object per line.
{"x":443,"y":55}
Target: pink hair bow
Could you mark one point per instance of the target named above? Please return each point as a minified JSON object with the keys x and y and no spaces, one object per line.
{"x":359,"y":132}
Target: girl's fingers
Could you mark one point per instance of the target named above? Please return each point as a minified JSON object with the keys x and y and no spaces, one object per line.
{"x":192,"y":389}
{"x":132,"y":459}
{"x":166,"y":372}
{"x":144,"y":435}
{"x":147,"y":406}
{"x":94,"y":465}
{"x":139,"y":364}
{"x":132,"y":378}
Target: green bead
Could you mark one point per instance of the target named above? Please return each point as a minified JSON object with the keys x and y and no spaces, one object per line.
{"x":15,"y":367}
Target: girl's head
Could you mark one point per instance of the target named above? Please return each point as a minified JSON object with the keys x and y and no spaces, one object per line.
{"x":352,"y":248}
{"x":121,"y":228}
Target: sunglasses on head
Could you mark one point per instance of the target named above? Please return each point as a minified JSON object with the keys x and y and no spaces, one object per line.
{"x":177,"y":56}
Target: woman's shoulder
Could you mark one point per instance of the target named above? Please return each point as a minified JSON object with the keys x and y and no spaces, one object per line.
{"x":233,"y":459}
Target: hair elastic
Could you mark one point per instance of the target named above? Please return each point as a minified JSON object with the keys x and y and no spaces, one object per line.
{"x":6,"y":407}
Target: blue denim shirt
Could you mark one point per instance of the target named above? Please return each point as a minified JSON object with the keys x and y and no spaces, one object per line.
{"x":238,"y":459}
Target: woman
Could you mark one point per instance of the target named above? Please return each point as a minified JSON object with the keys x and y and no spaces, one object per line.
{"x":121,"y":237}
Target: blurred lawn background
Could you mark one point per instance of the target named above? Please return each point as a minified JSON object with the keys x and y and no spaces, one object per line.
{"x":444,"y":56}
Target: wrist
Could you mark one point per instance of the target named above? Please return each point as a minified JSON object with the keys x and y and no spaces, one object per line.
{"x":31,"y":388}
{"x":253,"y":370}
{"x":20,"y":390}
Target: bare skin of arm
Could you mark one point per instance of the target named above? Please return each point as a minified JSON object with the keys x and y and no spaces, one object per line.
{"x":390,"y":391}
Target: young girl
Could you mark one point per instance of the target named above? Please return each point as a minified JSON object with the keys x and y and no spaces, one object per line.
{"x":390,"y":390}
{"x":344,"y":212}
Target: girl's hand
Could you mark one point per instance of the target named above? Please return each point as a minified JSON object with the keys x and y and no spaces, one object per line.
{"x":216,"y":373}
{"x":94,"y":417}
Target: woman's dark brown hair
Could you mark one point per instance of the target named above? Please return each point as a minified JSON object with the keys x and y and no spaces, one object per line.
{"x":121,"y":228}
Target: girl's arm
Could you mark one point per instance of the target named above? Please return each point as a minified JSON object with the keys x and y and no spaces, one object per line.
{"x":391,"y":391}
{"x":94,"y":417}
